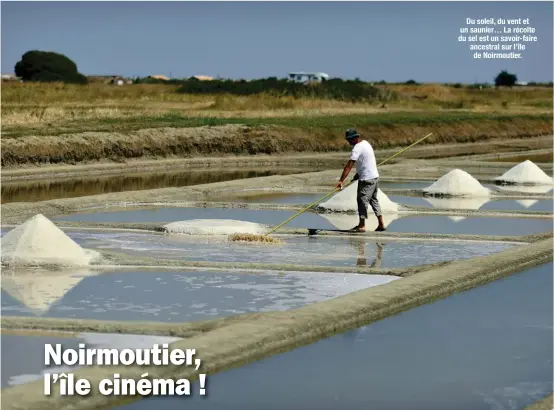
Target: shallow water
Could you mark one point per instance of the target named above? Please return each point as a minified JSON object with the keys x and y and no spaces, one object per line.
{"x":22,"y":191}
{"x":173,"y":296}
{"x":23,"y":356}
{"x":299,"y":250}
{"x":416,"y":224}
{"x":471,"y":225}
{"x":486,"y":349}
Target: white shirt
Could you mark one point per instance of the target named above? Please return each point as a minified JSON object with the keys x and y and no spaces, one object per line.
{"x":366,"y":166}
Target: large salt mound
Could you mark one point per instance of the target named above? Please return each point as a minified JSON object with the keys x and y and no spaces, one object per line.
{"x":39,"y":242}
{"x":345,"y":201}
{"x":525,"y":173}
{"x":457,"y":183}
{"x":214,"y":227}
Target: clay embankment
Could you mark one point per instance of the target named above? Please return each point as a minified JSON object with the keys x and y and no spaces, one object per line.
{"x":252,"y":140}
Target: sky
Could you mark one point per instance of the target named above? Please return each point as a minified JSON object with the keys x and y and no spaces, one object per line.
{"x":373,"y":41}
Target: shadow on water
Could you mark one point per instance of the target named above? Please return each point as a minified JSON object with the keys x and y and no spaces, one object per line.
{"x":489,"y":348}
{"x":21,"y":191}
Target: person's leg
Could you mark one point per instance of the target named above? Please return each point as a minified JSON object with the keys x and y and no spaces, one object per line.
{"x":363,"y":202}
{"x":374,"y":202}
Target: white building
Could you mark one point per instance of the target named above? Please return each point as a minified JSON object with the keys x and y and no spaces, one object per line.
{"x":302,"y":77}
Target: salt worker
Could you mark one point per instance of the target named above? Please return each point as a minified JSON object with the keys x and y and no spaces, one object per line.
{"x":367,"y":176}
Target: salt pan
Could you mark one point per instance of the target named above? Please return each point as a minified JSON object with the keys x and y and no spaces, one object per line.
{"x":345,"y":201}
{"x":525,"y":173}
{"x":39,"y":242}
{"x":457,"y":183}
{"x":214,"y":227}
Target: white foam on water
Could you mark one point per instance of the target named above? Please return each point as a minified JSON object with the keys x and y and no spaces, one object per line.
{"x":526,"y":172}
{"x":348,"y":221}
{"x":345,"y":201}
{"x":457,"y":183}
{"x":39,"y":289}
{"x":457,"y":203}
{"x":214,"y":227}
{"x":39,"y":242}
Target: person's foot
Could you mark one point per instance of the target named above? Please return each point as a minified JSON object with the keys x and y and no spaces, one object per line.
{"x":380,"y":229}
{"x":358,"y":229}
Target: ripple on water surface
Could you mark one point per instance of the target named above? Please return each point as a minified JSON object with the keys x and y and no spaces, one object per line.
{"x":478,"y":350}
{"x":171,"y":296}
{"x":398,"y":222}
{"x":23,"y":355}
{"x":299,"y":250}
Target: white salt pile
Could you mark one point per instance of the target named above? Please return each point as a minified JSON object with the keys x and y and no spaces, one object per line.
{"x":38,"y":289}
{"x":525,"y":173}
{"x":345,"y":201}
{"x":39,"y":242}
{"x":457,"y":203}
{"x":349,"y":221}
{"x":457,"y":183}
{"x":214,"y":227}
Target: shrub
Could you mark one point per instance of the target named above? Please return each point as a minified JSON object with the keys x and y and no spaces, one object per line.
{"x":335,"y":88}
{"x":505,"y":79}
{"x":46,"y":66}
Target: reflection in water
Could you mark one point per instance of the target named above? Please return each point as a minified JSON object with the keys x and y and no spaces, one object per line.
{"x":38,"y":289}
{"x":362,"y":258}
{"x":21,"y":191}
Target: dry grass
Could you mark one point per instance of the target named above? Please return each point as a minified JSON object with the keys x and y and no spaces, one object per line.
{"x":249,"y":238}
{"x":44,"y":105}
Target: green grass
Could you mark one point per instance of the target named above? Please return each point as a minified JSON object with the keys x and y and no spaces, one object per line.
{"x":329,"y":123}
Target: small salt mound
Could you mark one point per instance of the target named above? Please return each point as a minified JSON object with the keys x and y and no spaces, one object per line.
{"x":457,"y":203}
{"x":525,"y":173}
{"x":214,"y":227}
{"x":457,"y":183}
{"x":345,"y":201}
{"x":39,"y":242}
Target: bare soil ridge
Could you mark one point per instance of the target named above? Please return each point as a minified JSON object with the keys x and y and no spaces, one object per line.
{"x":236,"y":139}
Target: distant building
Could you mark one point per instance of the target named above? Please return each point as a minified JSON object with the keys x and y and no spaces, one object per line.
{"x":302,"y":77}
{"x":109,"y":79}
{"x":159,"y":77}
{"x":203,"y":77}
{"x":10,"y":77}
{"x":521,"y":83}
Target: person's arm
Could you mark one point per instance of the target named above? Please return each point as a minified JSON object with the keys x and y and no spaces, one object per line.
{"x":345,"y":172}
